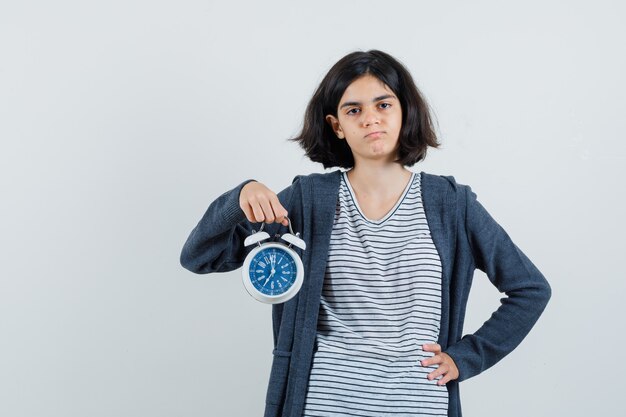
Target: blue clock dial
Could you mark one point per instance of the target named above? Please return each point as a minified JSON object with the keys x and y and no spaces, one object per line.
{"x":272,"y":271}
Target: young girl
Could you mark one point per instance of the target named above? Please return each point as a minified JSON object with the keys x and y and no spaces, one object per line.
{"x":376,"y":328}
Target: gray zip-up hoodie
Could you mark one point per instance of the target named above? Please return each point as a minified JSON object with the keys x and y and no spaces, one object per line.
{"x":464,"y":233}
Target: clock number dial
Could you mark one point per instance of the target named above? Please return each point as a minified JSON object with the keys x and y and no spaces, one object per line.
{"x":273,"y":271}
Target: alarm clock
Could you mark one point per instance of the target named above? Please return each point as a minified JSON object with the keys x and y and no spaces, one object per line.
{"x":273,"y":271}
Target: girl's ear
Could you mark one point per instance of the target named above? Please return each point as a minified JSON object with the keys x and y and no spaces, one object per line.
{"x":334,"y":123}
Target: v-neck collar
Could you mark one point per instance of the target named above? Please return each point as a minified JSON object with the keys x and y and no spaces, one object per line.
{"x":390,"y":212}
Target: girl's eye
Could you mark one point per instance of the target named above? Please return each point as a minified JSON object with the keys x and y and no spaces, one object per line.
{"x":387,"y":105}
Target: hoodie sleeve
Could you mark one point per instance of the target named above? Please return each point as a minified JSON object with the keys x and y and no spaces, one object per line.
{"x":216,"y":242}
{"x":512,"y":273}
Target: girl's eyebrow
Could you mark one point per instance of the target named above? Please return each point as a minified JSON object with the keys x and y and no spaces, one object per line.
{"x":356,"y":103}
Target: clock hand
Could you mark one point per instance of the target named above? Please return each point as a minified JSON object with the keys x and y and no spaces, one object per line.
{"x":273,"y":261}
{"x":268,"y":278}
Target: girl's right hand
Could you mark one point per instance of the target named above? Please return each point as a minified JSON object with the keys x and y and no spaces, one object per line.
{"x":260,"y":204}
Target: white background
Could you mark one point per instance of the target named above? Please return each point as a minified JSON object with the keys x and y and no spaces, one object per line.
{"x":120,"y":121}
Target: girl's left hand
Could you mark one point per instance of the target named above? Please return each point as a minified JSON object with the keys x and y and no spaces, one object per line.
{"x":447,"y":367}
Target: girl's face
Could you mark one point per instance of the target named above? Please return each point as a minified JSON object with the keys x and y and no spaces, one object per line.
{"x":369,"y":117}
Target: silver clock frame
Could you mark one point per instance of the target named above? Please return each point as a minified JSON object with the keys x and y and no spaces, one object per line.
{"x":292,"y":239}
{"x":273,"y":299}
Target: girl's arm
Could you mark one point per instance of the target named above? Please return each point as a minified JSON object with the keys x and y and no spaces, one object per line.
{"x":510,"y":270}
{"x":216,"y":243}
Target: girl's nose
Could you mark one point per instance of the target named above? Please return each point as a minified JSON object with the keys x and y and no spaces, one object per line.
{"x":370,"y":117}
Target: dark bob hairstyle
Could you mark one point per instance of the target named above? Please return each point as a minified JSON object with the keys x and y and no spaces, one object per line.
{"x":317,"y":136}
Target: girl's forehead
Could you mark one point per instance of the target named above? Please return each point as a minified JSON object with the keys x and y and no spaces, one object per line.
{"x":368,"y":80}
{"x":366,"y":87}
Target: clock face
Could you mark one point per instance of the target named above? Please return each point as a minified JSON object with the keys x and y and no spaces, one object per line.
{"x":273,"y":271}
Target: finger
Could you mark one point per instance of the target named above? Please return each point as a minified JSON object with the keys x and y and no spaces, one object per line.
{"x":432,"y":360}
{"x":254,"y":212}
{"x":247,"y":210}
{"x":431,"y":347}
{"x":267,"y":209}
{"x":442,"y":369}
{"x":436,"y":358}
{"x":446,"y":378}
{"x":279,"y":210}
{"x":257,"y":210}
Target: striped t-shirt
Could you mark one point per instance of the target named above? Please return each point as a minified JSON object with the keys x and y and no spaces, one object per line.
{"x":381,"y":301}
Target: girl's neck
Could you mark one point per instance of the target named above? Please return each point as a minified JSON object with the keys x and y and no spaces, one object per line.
{"x":378,"y":180}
